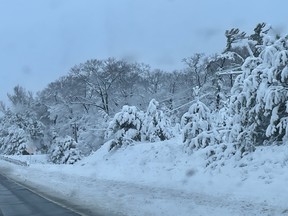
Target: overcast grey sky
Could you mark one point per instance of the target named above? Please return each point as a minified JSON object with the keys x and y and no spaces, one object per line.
{"x":41,"y":39}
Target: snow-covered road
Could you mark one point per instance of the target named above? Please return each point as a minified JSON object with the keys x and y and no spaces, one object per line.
{"x":18,"y":200}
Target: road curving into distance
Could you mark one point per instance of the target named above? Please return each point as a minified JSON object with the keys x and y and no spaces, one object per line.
{"x":16,"y":200}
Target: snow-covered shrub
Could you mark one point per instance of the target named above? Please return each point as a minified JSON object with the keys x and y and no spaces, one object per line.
{"x":156,"y":126}
{"x":125,"y":127}
{"x":64,"y":151}
{"x":198,"y":128}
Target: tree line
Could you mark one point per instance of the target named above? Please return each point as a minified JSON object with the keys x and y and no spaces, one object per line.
{"x":234,"y":100}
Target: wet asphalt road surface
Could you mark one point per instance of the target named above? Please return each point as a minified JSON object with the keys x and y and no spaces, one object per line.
{"x":16,"y":200}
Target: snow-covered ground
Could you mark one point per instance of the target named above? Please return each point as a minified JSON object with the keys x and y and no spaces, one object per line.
{"x":159,"y":179}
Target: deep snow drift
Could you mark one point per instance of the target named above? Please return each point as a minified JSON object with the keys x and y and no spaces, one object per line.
{"x":160,"y":179}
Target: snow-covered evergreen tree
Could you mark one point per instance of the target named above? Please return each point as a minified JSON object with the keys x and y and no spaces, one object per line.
{"x":198,"y":127}
{"x":156,"y":125}
{"x":259,"y":97}
{"x":243,"y":99}
{"x":125,"y":127}
{"x":64,"y":151}
{"x":14,"y":141}
{"x":20,"y":131}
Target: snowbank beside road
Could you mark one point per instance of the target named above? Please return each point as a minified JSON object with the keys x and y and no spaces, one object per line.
{"x":159,"y":179}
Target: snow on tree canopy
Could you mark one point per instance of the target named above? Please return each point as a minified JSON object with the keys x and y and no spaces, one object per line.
{"x":64,"y":151}
{"x":199,"y":131}
{"x":19,"y":132}
{"x":157,"y":126}
{"x":198,"y":109}
{"x":281,"y":58}
{"x":14,"y":142}
{"x":125,"y":127}
{"x":259,"y":96}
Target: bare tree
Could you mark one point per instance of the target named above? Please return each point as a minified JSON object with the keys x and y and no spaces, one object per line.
{"x":100,"y":78}
{"x":20,"y":98}
{"x":196,"y":71}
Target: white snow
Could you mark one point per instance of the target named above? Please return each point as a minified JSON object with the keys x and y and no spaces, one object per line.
{"x":159,"y":179}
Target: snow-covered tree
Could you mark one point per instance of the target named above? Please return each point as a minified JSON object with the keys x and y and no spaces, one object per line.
{"x":19,"y":131}
{"x":242,"y":101}
{"x":198,"y":127}
{"x":257,"y":38}
{"x":156,"y":125}
{"x":20,"y":99}
{"x":196,"y":69}
{"x":258,"y":102}
{"x":64,"y":151}
{"x":125,"y":127}
{"x":14,"y":141}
